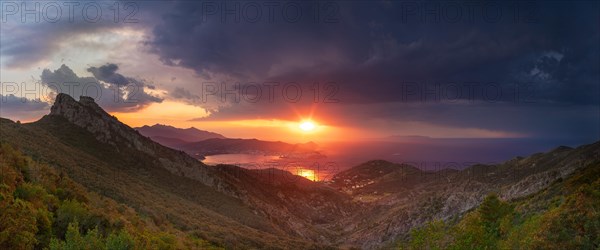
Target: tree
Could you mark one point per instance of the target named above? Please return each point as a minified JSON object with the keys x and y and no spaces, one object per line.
{"x":73,"y":238}
{"x":492,"y":210}
{"x":481,"y":229}
{"x":120,"y":241}
{"x":69,"y":212}
{"x":75,"y":241}
{"x":432,"y":236}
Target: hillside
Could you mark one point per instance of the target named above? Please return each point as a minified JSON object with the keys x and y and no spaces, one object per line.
{"x":44,"y":208}
{"x":564,"y":215}
{"x":140,"y":187}
{"x":400,"y":197}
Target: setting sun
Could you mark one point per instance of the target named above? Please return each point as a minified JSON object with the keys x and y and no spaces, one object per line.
{"x":307,"y":126}
{"x":307,"y":173}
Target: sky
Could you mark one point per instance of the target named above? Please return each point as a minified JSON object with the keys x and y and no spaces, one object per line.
{"x":357,"y":69}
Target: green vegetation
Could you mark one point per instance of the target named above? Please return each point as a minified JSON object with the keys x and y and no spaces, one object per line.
{"x":44,"y":209}
{"x":566,"y":215}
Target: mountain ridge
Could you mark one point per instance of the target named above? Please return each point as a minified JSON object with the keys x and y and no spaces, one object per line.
{"x":201,"y":143}
{"x":190,"y":134}
{"x":216,"y":146}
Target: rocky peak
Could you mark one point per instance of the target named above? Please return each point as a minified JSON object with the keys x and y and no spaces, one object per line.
{"x":86,"y":114}
{"x":67,"y":107}
{"x":88,"y":101}
{"x":62,"y":104}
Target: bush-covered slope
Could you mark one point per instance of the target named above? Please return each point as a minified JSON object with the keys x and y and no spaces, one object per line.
{"x":44,"y":208}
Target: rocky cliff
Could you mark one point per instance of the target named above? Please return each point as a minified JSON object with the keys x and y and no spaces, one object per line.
{"x":86,"y":114}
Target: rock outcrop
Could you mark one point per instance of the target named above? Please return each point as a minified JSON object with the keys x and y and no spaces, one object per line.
{"x":86,"y":114}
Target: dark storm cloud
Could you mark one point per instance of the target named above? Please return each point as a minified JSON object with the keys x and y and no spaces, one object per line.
{"x":371,"y":51}
{"x":535,"y":74}
{"x":122,"y":96}
{"x":209,"y":45}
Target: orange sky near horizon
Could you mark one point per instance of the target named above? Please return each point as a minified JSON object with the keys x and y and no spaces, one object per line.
{"x":327,"y":129}
{"x":180,"y":115}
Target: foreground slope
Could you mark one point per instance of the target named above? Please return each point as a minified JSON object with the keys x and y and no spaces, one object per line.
{"x":43,"y":208}
{"x":400,"y":197}
{"x":564,"y":215}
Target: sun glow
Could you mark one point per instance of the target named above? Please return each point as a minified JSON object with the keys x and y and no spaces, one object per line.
{"x":307,"y":126}
{"x":307,"y":173}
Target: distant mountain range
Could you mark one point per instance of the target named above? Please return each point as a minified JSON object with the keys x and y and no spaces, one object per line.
{"x":124,"y":181}
{"x":172,"y":136}
{"x":200,"y":143}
